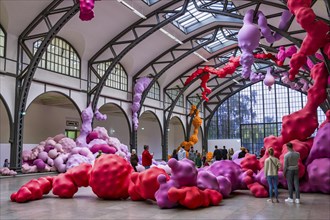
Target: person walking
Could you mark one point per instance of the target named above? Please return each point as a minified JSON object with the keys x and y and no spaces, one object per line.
{"x":146,"y":157}
{"x":216,"y":153}
{"x":272,"y":164}
{"x":242,"y":153}
{"x":291,"y":171}
{"x":134,"y":159}
{"x":182,"y":153}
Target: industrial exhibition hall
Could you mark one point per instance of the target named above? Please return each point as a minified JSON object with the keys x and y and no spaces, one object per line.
{"x":165,"y":109}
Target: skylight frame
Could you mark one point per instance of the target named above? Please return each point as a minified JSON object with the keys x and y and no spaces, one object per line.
{"x":194,"y":19}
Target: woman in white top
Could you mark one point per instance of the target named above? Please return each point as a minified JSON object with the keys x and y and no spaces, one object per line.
{"x":272,"y":164}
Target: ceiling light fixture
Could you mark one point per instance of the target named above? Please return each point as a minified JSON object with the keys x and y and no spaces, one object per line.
{"x":133,"y":9}
{"x":235,"y":81}
{"x":170,"y":36}
{"x":200,"y":56}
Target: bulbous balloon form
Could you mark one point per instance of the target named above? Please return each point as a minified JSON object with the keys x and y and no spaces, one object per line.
{"x":316,"y":38}
{"x":269,"y":78}
{"x":140,"y":85}
{"x":86,"y":10}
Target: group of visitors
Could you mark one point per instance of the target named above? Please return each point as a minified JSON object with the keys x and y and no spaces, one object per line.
{"x":290,"y":172}
{"x":146,"y":158}
{"x":192,"y":155}
{"x":222,"y":154}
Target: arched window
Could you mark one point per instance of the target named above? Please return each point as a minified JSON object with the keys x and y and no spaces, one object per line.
{"x":60,"y":57}
{"x":255,"y":113}
{"x":172,"y":94}
{"x":2,"y":42}
{"x":154,"y":92}
{"x":117,"y":78}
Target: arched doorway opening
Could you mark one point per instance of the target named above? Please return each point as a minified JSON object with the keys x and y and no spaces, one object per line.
{"x":149,"y":133}
{"x":176,"y":134}
{"x":49,"y":114}
{"x":117,"y":123}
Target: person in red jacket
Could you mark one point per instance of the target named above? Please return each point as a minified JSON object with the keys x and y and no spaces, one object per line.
{"x":146,"y":157}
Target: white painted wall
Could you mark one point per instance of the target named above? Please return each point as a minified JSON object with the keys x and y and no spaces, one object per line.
{"x":4,"y":134}
{"x":175,"y":136}
{"x":149,"y":133}
{"x":42,"y":121}
{"x":229,"y":143}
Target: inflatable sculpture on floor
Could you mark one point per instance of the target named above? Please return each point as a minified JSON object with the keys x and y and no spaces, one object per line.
{"x":111,"y":176}
{"x":197,"y":122}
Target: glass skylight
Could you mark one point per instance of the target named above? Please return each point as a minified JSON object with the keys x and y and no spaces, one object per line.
{"x":150,"y":2}
{"x":221,"y":40}
{"x":225,"y":57}
{"x":193,"y":19}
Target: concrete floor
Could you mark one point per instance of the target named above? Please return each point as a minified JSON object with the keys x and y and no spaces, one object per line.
{"x":85,"y":205}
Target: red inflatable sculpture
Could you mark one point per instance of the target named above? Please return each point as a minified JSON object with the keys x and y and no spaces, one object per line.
{"x":33,"y":190}
{"x":192,"y":197}
{"x":251,"y":162}
{"x":144,"y":185}
{"x":229,"y":68}
{"x":317,"y":34}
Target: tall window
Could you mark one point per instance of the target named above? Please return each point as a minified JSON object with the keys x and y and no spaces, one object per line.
{"x":2,"y":42}
{"x":117,"y":79}
{"x":173,"y":93}
{"x":60,"y":57}
{"x":255,"y":113}
{"x":154,"y":92}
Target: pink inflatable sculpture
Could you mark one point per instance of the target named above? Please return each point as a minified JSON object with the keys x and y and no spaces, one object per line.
{"x":86,"y":10}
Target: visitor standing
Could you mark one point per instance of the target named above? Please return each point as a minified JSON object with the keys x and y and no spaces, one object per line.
{"x":198,"y":160}
{"x":192,"y":154}
{"x":242,"y":153}
{"x":224,"y":153}
{"x":230,"y":153}
{"x":146,"y":157}
{"x":134,"y":159}
{"x":6,"y":163}
{"x":182,"y":153}
{"x":291,"y":171}
{"x":272,"y":164}
{"x":216,"y":153}
{"x":175,"y":154}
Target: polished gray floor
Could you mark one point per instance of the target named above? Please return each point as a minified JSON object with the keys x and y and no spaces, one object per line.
{"x":85,"y":205}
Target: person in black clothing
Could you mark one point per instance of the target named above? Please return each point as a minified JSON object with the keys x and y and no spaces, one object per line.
{"x":134,"y":159}
{"x":217,"y":153}
{"x":224,"y":153}
{"x":175,"y":154}
{"x":242,"y":153}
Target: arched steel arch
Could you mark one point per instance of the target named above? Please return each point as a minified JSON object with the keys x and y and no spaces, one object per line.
{"x":96,"y":90}
{"x":61,"y":93}
{"x":10,"y":118}
{"x":25,"y":73}
{"x":184,"y":50}
{"x":182,"y":90}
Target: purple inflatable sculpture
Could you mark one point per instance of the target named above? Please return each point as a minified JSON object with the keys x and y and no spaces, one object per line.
{"x":140,"y":85}
{"x":249,"y":37}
